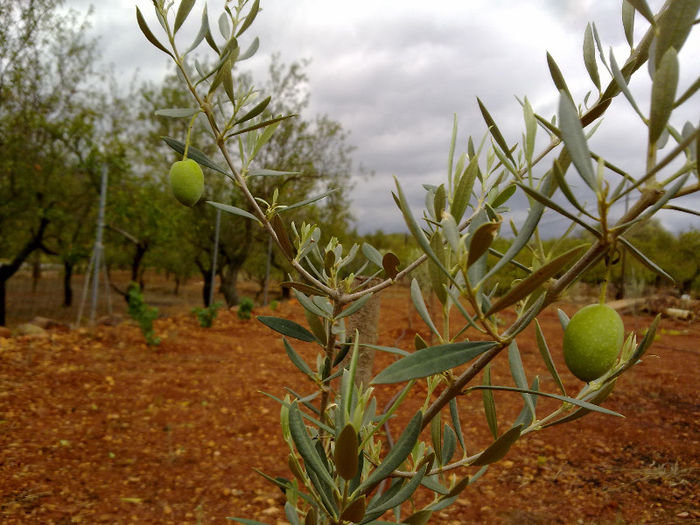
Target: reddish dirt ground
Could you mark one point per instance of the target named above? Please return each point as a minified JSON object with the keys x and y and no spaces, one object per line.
{"x":96,"y":427}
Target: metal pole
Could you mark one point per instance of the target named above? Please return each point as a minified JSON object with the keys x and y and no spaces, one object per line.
{"x":216,"y":253}
{"x":98,"y":244}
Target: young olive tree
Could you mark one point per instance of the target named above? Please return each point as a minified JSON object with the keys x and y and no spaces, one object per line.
{"x":342,"y":471}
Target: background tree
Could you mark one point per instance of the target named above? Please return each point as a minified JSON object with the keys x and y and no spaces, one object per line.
{"x":47,"y":79}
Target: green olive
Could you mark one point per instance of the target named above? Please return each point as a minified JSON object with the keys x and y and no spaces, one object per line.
{"x":187,"y":181}
{"x":592,"y":341}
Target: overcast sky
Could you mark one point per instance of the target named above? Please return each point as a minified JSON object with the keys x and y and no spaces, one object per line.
{"x":394,"y":73}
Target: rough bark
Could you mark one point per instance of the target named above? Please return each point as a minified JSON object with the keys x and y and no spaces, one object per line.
{"x":366,"y":322}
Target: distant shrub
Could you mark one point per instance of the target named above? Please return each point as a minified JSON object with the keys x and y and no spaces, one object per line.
{"x":143,"y":314}
{"x":245,"y":307}
{"x":206,"y":315}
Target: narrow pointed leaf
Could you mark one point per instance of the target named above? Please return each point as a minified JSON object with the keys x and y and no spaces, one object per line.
{"x":308,"y":304}
{"x":193,"y":153}
{"x":309,"y":200}
{"x":250,"y":17}
{"x":622,"y":84}
{"x":575,"y":140}
{"x":533,"y":218}
{"x":663,"y":94}
{"x":563,"y":318}
{"x":372,"y":254}
{"x":354,"y":307}
{"x":287,"y":327}
{"x":259,"y":125}
{"x":177,"y":112}
{"x":495,"y":132}
{"x":305,"y":446}
{"x":578,"y":402}
{"x":456,"y":423}
{"x":489,"y":403}
{"x":644,"y":10}
{"x":518,"y":372}
{"x":148,"y":34}
{"x":463,"y":192}
{"x":556,"y":207}
{"x":291,"y":514}
{"x":547,"y":357}
{"x":628,"y":21}
{"x":203,"y":30}
{"x":421,"y":308}
{"x":396,"y":455}
{"x":645,"y":260}
{"x":233,"y":210}
{"x":416,"y":231}
{"x":271,"y":173}
{"x":499,"y":448}
{"x":398,"y":498}
{"x":558,"y":78}
{"x":565,"y":188}
{"x":535,"y":280}
{"x":449,"y":444}
{"x":254,"y":112}
{"x":182,"y":12}
{"x":592,"y":400}
{"x":252,"y":49}
{"x":674,"y":26}
{"x":432,"y":360}
{"x":589,"y":56}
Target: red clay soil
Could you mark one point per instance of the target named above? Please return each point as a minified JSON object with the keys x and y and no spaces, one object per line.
{"x":96,"y":427}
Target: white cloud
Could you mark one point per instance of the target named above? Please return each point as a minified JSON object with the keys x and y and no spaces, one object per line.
{"x":394,"y":72}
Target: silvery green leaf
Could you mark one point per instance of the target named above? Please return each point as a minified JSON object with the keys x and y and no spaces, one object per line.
{"x":674,"y":26}
{"x":499,"y":448}
{"x":421,"y":308}
{"x":558,"y":78}
{"x":309,"y":200}
{"x":489,"y":403}
{"x":643,"y":8}
{"x":454,"y":414}
{"x":547,"y":357}
{"x":589,"y":56}
{"x":196,"y":155}
{"x":495,"y":132}
{"x":148,"y":34}
{"x":432,"y":360}
{"x":396,"y":455}
{"x":628,"y":21}
{"x":287,"y":327}
{"x":271,"y":173}
{"x":250,"y":17}
{"x":254,"y":112}
{"x":182,"y":12}
{"x":518,"y":372}
{"x":622,"y":84}
{"x":575,"y":141}
{"x":525,"y":233}
{"x":177,"y":112}
{"x":372,"y":254}
{"x":535,"y":280}
{"x":663,"y":94}
{"x":252,"y":49}
{"x":234,"y":210}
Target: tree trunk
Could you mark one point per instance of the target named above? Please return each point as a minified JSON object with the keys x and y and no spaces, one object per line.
{"x":366,"y":322}
{"x":2,"y":302}
{"x":8,"y":270}
{"x":229,"y":278}
{"x":67,"y":287}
